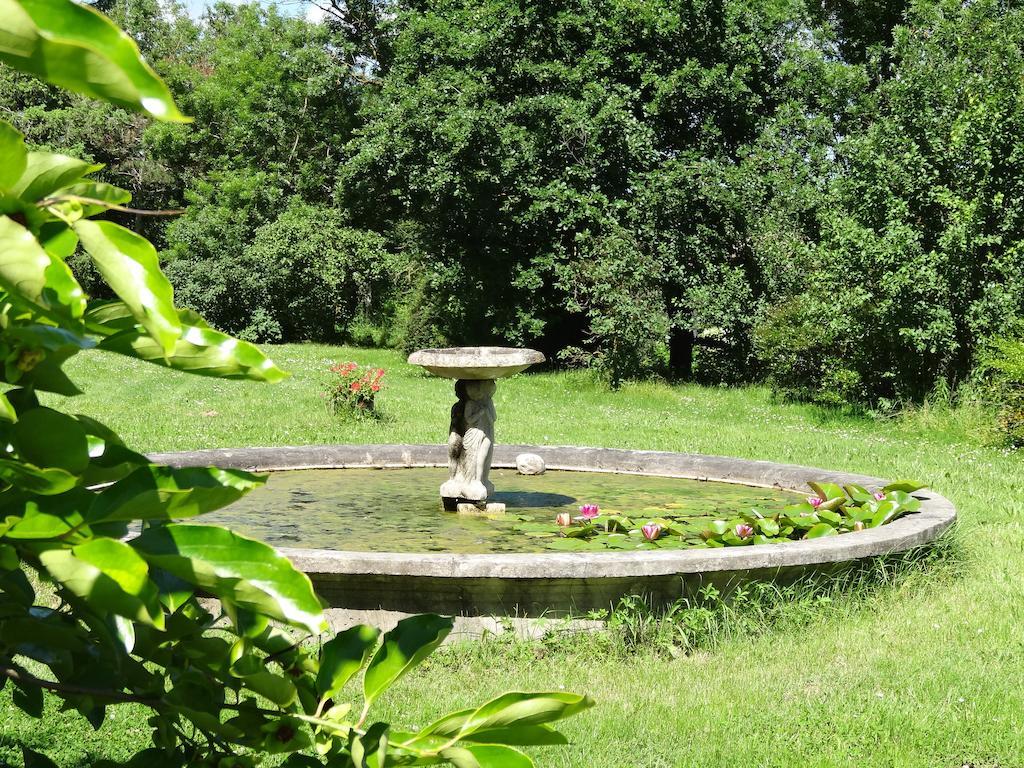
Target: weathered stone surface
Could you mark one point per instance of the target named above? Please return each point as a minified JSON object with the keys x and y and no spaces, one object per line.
{"x":490,"y":509}
{"x":530,"y":464}
{"x":471,"y":434}
{"x":471,"y":442}
{"x":476,"y":362}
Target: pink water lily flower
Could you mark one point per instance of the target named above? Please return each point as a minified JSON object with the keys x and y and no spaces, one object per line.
{"x":564,"y":518}
{"x":589,"y":511}
{"x":879,"y":496}
{"x":814,"y":501}
{"x":651,"y":531}
{"x":744,"y":531}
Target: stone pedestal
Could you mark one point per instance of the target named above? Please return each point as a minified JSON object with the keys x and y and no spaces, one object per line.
{"x":470,"y":443}
{"x":471,"y":436}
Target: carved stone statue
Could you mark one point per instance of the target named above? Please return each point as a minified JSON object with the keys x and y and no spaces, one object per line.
{"x":471,"y":435}
{"x":470,"y":443}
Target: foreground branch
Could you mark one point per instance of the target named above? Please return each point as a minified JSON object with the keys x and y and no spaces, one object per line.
{"x":24,"y":678}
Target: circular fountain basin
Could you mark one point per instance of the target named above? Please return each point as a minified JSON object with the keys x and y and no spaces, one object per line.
{"x":536,"y":583}
{"x":476,"y":363}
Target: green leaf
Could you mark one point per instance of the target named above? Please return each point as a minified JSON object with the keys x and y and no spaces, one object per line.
{"x":7,"y":411}
{"x":235,"y":568}
{"x":907,"y":502}
{"x":513,"y":718}
{"x":109,"y":317}
{"x":342,"y":657}
{"x":32,"y":479}
{"x":110,"y":576}
{"x":370,"y":749}
{"x":486,"y":756}
{"x":718,"y":527}
{"x":517,"y":708}
{"x":58,"y":239}
{"x":858,"y":493}
{"x":405,"y":646}
{"x":570,"y":545}
{"x":106,"y":195}
{"x":46,"y":517}
{"x":520,"y":735}
{"x":153,"y":492}
{"x":8,"y":558}
{"x":907,"y":486}
{"x":109,"y":460}
{"x":13,"y":155}
{"x":46,"y":172}
{"x":278,"y":689}
{"x":29,"y":699}
{"x":75,"y":47}
{"x":35,"y":759}
{"x":49,"y":438}
{"x":201,"y":351}
{"x":820,"y":530}
{"x":59,"y":345}
{"x":827,"y":491}
{"x":33,"y":276}
{"x":129,"y":265}
{"x":886,"y":512}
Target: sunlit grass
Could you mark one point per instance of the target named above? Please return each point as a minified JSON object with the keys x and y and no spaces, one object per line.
{"x":919,"y":669}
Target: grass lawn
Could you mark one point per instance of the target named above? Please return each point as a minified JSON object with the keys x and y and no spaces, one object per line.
{"x":924,"y":672}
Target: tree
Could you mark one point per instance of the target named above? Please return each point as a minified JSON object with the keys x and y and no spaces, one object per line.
{"x":124,"y":623}
{"x":528,"y":153}
{"x":915,"y":257}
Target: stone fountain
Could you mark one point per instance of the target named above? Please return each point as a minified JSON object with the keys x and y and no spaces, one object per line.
{"x":471,"y":434}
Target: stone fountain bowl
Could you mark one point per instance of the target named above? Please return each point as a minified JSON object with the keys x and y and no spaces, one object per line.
{"x":382,"y":586}
{"x":476,"y":363}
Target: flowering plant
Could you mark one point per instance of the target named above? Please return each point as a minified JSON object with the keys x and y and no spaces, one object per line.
{"x":353,"y":389}
{"x":830,"y":511}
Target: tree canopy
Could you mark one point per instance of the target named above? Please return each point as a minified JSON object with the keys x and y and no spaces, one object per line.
{"x":823,"y":194}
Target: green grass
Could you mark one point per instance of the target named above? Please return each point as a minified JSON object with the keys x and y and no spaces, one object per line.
{"x":921,"y":668}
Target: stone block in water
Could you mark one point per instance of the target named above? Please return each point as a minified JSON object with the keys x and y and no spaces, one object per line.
{"x":530,"y":464}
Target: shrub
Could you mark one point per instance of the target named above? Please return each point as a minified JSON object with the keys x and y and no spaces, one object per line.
{"x":1003,"y":361}
{"x":916,"y":243}
{"x":303,"y":276}
{"x":805,"y":358}
{"x":615,"y":287}
{"x":353,"y":390}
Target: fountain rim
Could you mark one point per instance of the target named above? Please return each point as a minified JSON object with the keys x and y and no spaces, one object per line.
{"x":936,"y":515}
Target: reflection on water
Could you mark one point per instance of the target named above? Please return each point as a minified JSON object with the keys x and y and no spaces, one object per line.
{"x":389,"y":510}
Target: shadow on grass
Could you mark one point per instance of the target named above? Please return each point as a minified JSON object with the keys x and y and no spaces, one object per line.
{"x":755,"y":608}
{"x":747,"y":609}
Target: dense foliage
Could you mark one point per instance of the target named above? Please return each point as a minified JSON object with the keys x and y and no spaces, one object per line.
{"x":105,"y":597}
{"x":822,"y":194}
{"x":913,"y":258}
{"x":830,"y":511}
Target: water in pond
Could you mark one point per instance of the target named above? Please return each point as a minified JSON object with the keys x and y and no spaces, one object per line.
{"x":398,"y":510}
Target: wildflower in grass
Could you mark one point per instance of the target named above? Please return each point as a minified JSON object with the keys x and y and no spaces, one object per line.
{"x":814,"y":501}
{"x":564,"y":518}
{"x":744,"y":531}
{"x":651,"y":531}
{"x":589,"y":511}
